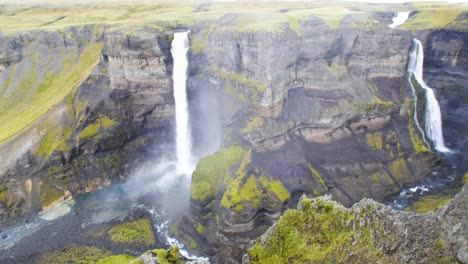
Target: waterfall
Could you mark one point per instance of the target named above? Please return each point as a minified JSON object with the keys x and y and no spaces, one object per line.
{"x":432,"y":116}
{"x":179,"y":49}
{"x":399,"y":18}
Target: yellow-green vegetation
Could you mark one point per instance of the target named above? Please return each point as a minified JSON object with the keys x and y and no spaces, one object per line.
{"x":3,"y":193}
{"x":55,"y":138}
{"x":317,"y":175}
{"x":434,"y":17}
{"x":239,"y":192}
{"x":75,"y":254}
{"x":332,"y":15}
{"x":374,"y":140}
{"x":318,"y":233}
{"x":392,"y":138}
{"x":418,"y":144}
{"x":116,"y":259}
{"x":25,"y":104}
{"x":210,"y":171}
{"x":429,"y":203}
{"x":134,"y":232}
{"x":169,"y":256}
{"x":253,"y":16}
{"x":465,"y":178}
{"x":238,"y":83}
{"x":275,"y":187}
{"x":253,"y":125}
{"x":102,"y":122}
{"x":243,"y":187}
{"x":200,"y":228}
{"x":400,"y":169}
{"x":49,"y":194}
{"x":375,"y":178}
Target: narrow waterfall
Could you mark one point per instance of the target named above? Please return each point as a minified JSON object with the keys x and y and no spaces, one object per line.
{"x":179,"y":49}
{"x":432,"y":116}
{"x":399,"y":19}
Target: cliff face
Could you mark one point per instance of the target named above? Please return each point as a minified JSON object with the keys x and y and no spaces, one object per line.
{"x":445,"y":70}
{"x":113,"y":99}
{"x":316,"y":110}
{"x":308,"y":101}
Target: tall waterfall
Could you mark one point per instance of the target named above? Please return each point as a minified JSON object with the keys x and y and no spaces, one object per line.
{"x":399,"y":19}
{"x":179,"y":49}
{"x":432,"y":116}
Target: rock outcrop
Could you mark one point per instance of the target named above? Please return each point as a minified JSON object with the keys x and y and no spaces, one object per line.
{"x":321,"y":230}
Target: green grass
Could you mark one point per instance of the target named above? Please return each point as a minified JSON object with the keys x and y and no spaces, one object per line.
{"x":210,"y":171}
{"x":134,"y":232}
{"x":116,"y":259}
{"x":439,"y":16}
{"x":318,"y":233}
{"x":55,"y":138}
{"x":75,"y":254}
{"x":102,"y":122}
{"x":20,"y":109}
{"x":429,"y":203}
{"x":49,"y":194}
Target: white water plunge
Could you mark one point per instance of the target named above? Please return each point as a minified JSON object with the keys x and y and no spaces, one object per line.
{"x":432,"y":116}
{"x":179,"y":48}
{"x":399,"y":19}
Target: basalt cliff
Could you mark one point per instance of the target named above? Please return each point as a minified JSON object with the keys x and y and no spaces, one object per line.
{"x":310,"y":105}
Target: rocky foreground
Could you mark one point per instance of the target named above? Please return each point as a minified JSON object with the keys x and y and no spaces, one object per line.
{"x":322,"y":231}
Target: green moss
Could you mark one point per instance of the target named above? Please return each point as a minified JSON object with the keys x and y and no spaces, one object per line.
{"x":169,"y":256}
{"x":375,"y":178}
{"x":3,"y":193}
{"x":253,"y":125}
{"x":102,"y":122}
{"x":200,"y":228}
{"x":418,"y":144}
{"x":400,"y":169}
{"x":75,"y":254}
{"x":49,"y":194}
{"x":210,"y":171}
{"x":318,"y":233}
{"x":135,"y":232}
{"x":242,"y":192}
{"x":429,"y":203}
{"x":240,"y":85}
{"x":317,"y":175}
{"x":116,"y":259}
{"x":277,"y":188}
{"x":465,"y":178}
{"x":374,"y":140}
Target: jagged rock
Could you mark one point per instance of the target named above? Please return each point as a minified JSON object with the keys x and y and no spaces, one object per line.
{"x":366,"y":232}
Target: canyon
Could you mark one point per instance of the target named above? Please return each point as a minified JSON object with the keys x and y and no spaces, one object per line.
{"x":286,"y":101}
